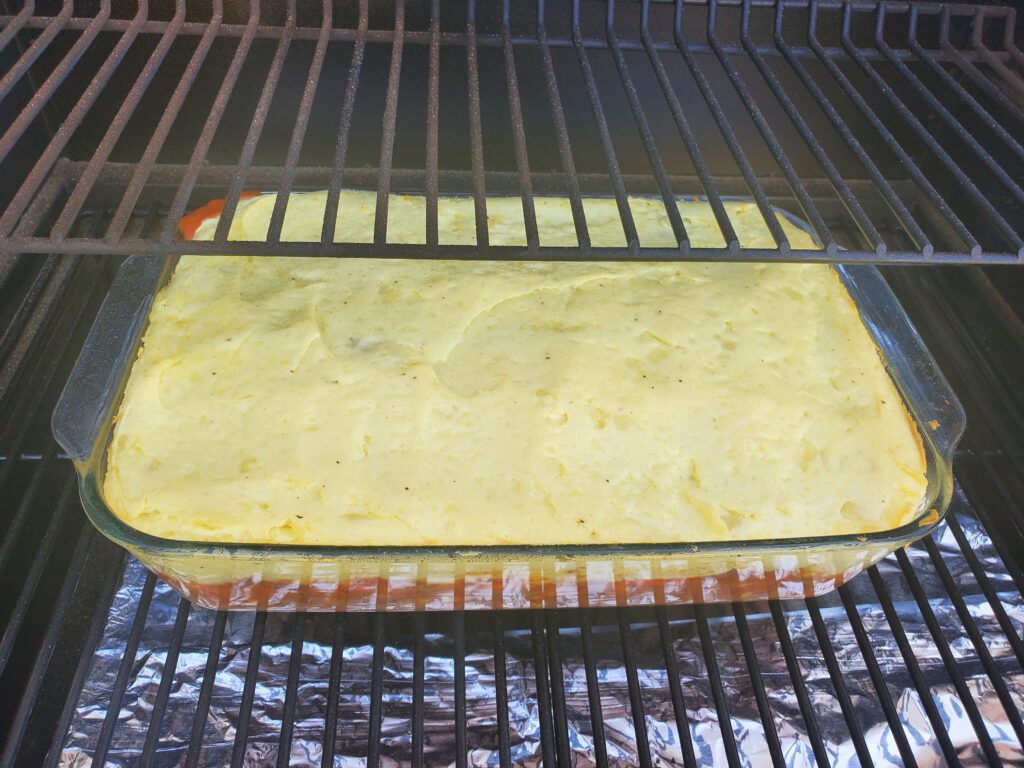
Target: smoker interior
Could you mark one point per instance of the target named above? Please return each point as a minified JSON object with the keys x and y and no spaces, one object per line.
{"x":919,"y":660}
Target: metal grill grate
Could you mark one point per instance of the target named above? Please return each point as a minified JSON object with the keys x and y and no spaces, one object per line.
{"x":114,"y":124}
{"x":851,"y":115}
{"x":920,"y":660}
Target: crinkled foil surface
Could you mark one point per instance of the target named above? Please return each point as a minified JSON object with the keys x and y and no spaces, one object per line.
{"x":262,"y":738}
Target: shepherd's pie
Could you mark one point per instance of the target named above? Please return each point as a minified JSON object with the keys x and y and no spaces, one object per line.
{"x":362,"y":401}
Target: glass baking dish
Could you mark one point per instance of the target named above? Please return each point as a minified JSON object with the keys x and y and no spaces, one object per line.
{"x":344,"y":578}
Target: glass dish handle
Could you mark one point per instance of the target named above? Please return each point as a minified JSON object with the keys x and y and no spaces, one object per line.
{"x":94,"y":381}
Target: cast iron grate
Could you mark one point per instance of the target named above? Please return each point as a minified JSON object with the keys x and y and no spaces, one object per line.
{"x":862,"y":114}
{"x":921,"y":659}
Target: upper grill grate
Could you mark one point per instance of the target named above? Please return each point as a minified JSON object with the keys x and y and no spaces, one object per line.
{"x":900,"y":123}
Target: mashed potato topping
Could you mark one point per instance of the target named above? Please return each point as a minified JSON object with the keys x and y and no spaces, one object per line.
{"x":398,"y":402}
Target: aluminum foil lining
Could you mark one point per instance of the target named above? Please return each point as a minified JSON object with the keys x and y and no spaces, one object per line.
{"x":701,"y":717}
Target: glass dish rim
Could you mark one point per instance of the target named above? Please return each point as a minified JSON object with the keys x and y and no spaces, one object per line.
{"x":931,"y":510}
{"x":132,"y":538}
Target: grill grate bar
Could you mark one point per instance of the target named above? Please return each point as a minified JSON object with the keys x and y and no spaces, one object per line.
{"x":476,"y":141}
{"x":501,"y":689}
{"x":518,"y":133}
{"x":21,"y":515}
{"x":1014,"y":535}
{"x":376,"y":691}
{"x":497,"y":253}
{"x":1005,"y":393}
{"x":668,"y":197}
{"x":345,"y":128}
{"x":387,"y":138}
{"x":852,"y":205}
{"x":636,"y":705}
{"x":877,"y":678}
{"x":333,"y":684}
{"x":989,"y":57}
{"x":939,"y":109}
{"x":14,"y":332}
{"x":14,"y":25}
{"x":976,"y":639}
{"x":972,"y":370}
{"x":674,"y":686}
{"x":943,"y":207}
{"x":51,"y":30}
{"x":770,"y":139}
{"x":166,"y":681}
{"x":453,"y":38}
{"x":284,"y":745}
{"x":614,"y":173}
{"x":939,"y":732}
{"x":892,"y":200}
{"x":7,"y":269}
{"x":1008,"y":36}
{"x":493,"y":39}
{"x":797,"y":679}
{"x":418,"y":688}
{"x":557,"y":681}
{"x":975,"y":194}
{"x":65,"y":221}
{"x":252,"y":669}
{"x":459,"y":662}
{"x":149,"y":157}
{"x":686,"y":133}
{"x":8,"y":545}
{"x":717,"y":688}
{"x":220,"y":103}
{"x":948,"y":81}
{"x":764,"y":708}
{"x":594,"y":691}
{"x":968,"y":702}
{"x":836,"y":673}
{"x":540,"y":670}
{"x":565,"y":152}
{"x":39,"y":310}
{"x":433,"y":118}
{"x":971,"y":70}
{"x":728,"y":134}
{"x":291,"y":162}
{"x":124,"y":671}
{"x":195,"y":743}
{"x":259,"y":119}
{"x":44,"y":324}
{"x":49,"y":156}
{"x":986,"y":587}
